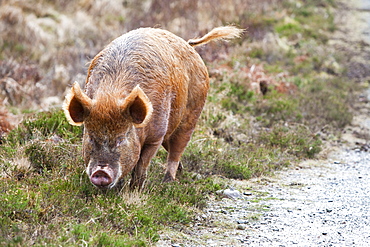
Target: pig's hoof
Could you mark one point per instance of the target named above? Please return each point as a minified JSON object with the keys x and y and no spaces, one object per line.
{"x":168,"y":178}
{"x":101,"y":179}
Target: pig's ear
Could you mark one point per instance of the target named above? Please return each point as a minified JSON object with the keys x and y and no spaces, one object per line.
{"x":76,"y":105}
{"x":138,"y":107}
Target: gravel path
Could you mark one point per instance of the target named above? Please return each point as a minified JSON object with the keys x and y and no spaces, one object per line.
{"x":327,"y":205}
{"x":320,"y":203}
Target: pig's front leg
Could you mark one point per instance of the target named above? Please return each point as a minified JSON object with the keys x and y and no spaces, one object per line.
{"x":140,"y":171}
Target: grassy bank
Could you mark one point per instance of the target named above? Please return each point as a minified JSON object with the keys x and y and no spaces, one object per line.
{"x":276,"y":95}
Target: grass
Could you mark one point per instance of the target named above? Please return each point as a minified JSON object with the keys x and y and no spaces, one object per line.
{"x":51,"y":196}
{"x":270,"y":96}
{"x":53,"y":202}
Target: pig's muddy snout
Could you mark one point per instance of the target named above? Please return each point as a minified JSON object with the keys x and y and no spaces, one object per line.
{"x":102,"y":178}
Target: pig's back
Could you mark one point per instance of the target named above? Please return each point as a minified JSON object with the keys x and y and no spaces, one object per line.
{"x":153,"y":58}
{"x":166,"y":67}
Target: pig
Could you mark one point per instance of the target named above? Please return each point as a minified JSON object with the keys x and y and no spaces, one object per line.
{"x":147,"y":88}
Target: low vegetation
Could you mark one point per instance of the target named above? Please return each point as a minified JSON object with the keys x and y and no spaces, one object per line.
{"x":272,"y":95}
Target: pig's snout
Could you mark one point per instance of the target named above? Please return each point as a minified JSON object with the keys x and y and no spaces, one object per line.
{"x":101,"y":179}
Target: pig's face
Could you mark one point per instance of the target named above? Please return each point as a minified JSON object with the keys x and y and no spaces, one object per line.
{"x":111,"y":145}
{"x":110,"y":157}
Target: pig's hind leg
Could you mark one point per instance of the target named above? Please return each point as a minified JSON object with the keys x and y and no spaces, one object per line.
{"x":178,"y":141}
{"x":176,"y":146}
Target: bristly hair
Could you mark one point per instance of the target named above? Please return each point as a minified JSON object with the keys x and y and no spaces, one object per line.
{"x":218,"y":33}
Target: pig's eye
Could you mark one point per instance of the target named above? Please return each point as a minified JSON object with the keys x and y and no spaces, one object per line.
{"x":121,"y":141}
{"x":91,"y":141}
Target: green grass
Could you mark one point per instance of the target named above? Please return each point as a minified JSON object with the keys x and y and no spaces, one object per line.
{"x":55,"y":198}
{"x":50,"y":193}
{"x":69,"y":211}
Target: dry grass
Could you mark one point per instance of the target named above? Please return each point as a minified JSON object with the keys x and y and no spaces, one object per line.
{"x":57,"y":39}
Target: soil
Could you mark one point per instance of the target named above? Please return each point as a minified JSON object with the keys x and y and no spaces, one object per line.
{"x":323,"y":202}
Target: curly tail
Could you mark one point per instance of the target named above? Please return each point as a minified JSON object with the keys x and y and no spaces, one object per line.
{"x":225,"y":33}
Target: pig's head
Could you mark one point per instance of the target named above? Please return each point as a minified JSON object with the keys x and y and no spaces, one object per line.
{"x":111,"y":145}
